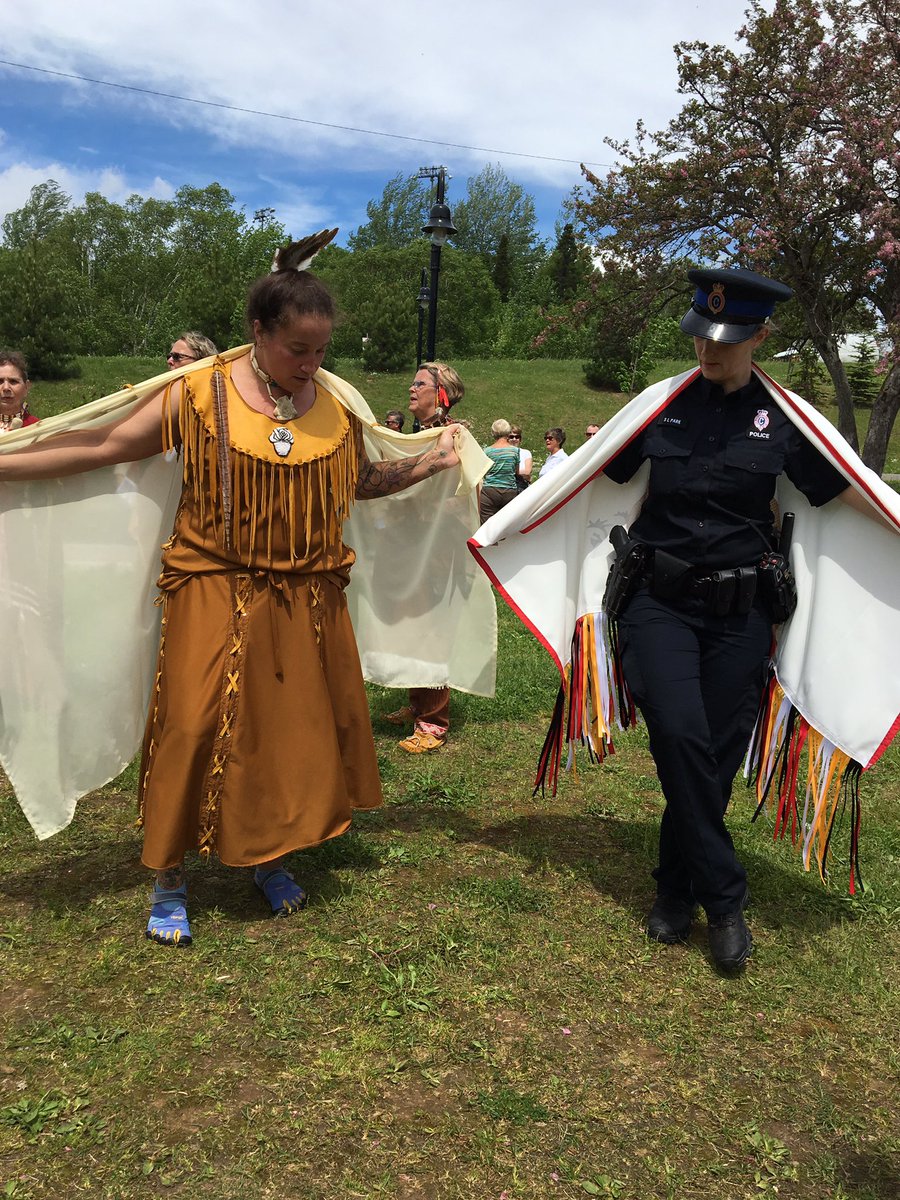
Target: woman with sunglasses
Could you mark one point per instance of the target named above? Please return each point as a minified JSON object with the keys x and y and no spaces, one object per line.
{"x":188,"y":348}
{"x":554,"y":440}
{"x":526,"y":459}
{"x":435,"y":389}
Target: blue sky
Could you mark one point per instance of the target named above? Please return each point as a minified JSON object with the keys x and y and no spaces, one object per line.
{"x":546,"y":81}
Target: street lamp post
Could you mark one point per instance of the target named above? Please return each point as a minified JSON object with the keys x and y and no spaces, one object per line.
{"x":439,"y":228}
{"x":423,"y":302}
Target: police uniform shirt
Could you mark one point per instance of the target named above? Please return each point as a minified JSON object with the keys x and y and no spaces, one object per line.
{"x":714,"y":462}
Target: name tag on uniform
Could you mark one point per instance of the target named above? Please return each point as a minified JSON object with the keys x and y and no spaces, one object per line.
{"x":671,"y":420}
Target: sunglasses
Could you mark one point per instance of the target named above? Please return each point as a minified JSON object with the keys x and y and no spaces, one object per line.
{"x":180,"y":358}
{"x":514,"y":437}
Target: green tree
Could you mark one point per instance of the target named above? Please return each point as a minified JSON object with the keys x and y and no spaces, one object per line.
{"x":40,"y":287}
{"x":810,"y":373}
{"x":783,"y":158}
{"x":125,"y":257}
{"x":502,"y":270}
{"x":386,"y":344}
{"x":468,"y":302}
{"x":495,"y":206}
{"x":569,"y":266}
{"x":397,"y":218}
{"x":861,"y":374}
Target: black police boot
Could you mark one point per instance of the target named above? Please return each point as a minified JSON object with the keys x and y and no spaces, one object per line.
{"x":670,"y":920}
{"x":730,"y":941}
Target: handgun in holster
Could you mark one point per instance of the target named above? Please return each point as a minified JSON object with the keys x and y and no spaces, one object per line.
{"x":627,"y":573}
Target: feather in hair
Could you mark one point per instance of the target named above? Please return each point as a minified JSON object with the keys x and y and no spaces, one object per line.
{"x":298,"y":255}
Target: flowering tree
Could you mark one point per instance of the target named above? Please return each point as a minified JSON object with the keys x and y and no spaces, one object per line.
{"x":785,"y":158}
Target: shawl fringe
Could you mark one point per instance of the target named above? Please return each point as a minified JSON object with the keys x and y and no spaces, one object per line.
{"x":598,"y":698}
{"x":801,"y":776}
{"x":788,"y":758}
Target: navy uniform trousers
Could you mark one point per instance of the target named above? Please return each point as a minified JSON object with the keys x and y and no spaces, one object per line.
{"x":697,"y":680}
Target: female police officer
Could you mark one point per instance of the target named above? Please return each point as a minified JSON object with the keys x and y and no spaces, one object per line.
{"x":695,"y":637}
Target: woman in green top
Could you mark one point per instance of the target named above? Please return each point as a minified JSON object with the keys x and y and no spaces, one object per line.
{"x":499,"y":485}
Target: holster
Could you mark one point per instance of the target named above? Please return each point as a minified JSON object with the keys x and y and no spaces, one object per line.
{"x":627,"y":573}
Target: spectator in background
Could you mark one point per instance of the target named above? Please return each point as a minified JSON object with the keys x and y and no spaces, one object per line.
{"x":554,"y":440}
{"x":435,"y":389}
{"x":499,"y":485}
{"x":189,"y":347}
{"x":526,"y":461}
{"x":14,"y":388}
{"x":394,"y":420}
{"x":591,"y":430}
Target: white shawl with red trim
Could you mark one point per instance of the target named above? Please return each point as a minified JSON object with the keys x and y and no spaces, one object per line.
{"x":837,"y":660}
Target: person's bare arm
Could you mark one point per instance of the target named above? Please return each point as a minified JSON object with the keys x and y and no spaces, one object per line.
{"x":137,"y":436}
{"x":858,"y":502}
{"x":385,"y":478}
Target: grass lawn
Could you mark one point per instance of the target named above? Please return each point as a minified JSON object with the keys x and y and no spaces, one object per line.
{"x":468,"y":1009}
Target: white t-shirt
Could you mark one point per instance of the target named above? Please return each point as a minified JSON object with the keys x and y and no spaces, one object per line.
{"x":526,"y":462}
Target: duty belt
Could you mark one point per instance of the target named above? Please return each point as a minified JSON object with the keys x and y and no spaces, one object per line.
{"x":732,"y":590}
{"x":723,"y":592}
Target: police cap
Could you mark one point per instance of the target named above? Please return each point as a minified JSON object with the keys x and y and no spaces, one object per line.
{"x":731,"y":303}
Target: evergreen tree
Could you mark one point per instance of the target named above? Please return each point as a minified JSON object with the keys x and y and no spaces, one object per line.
{"x":385,"y":317}
{"x":864,"y":385}
{"x":502,"y":272}
{"x":810,"y":373}
{"x":569,"y":266}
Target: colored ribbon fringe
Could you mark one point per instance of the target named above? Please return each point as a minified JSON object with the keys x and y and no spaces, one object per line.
{"x":784,"y":751}
{"x":597,"y":696}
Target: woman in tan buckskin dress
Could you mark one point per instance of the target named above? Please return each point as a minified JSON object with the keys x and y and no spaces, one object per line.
{"x":258,"y":740}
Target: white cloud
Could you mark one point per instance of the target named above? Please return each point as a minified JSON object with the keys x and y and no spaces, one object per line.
{"x":17,"y":180}
{"x":548,"y":80}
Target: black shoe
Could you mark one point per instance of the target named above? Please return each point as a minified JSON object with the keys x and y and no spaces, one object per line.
{"x":670,"y":920}
{"x":730,"y":941}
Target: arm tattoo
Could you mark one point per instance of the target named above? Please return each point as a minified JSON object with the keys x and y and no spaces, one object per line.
{"x":384,"y":478}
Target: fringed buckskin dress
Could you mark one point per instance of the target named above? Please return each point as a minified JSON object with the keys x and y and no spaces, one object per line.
{"x":258,"y":740}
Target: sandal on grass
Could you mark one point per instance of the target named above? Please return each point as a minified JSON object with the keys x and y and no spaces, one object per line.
{"x":168,"y":924}
{"x":282,"y":891}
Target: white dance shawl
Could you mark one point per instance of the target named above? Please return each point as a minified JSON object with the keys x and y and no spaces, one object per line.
{"x":836,"y":689}
{"x":79,"y":559}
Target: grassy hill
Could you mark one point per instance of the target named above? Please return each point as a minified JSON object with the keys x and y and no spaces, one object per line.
{"x":535,"y":394}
